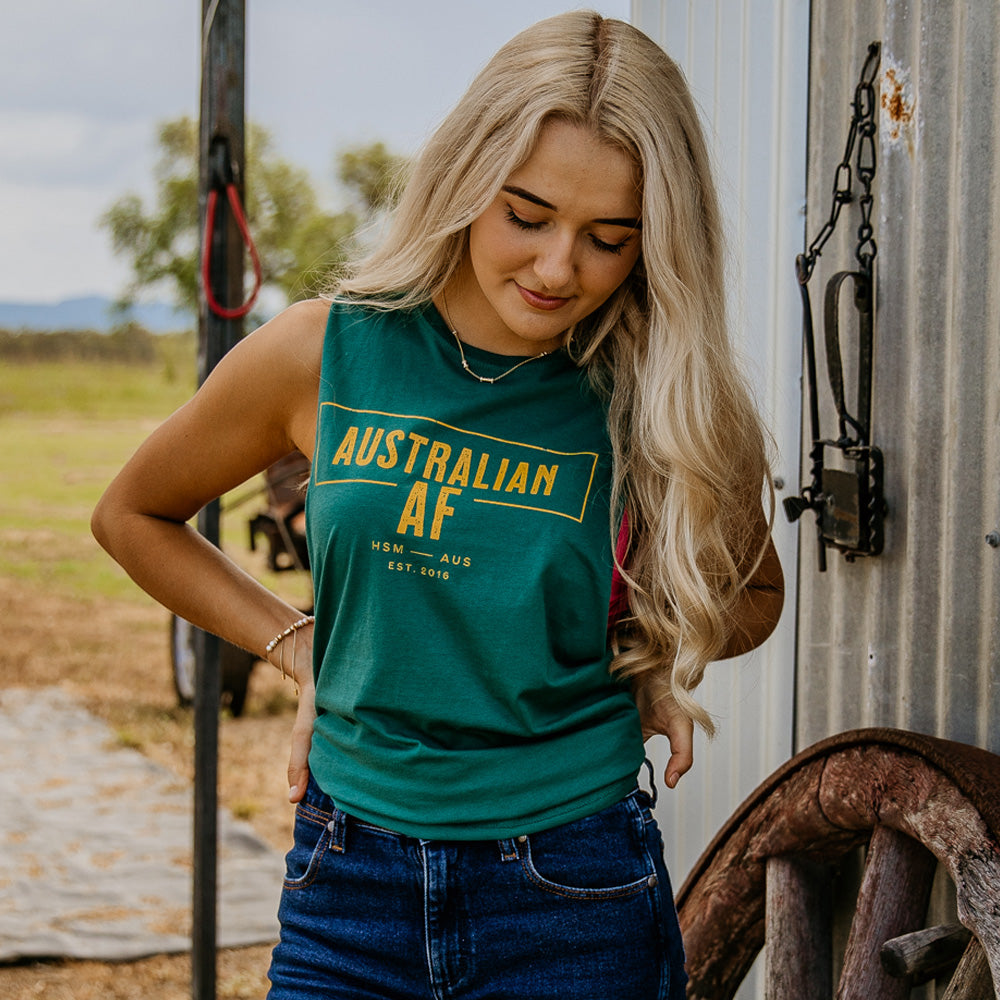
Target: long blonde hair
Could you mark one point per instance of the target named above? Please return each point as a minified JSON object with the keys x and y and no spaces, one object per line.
{"x":689,"y":451}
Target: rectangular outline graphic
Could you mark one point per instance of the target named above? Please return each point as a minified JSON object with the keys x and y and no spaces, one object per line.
{"x":486,"y":437}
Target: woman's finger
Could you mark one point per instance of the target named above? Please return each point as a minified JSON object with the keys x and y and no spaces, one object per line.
{"x":681,"y":736}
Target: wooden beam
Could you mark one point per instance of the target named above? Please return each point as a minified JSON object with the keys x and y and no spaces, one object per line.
{"x":925,"y":955}
{"x":972,"y":979}
{"x":893,"y":899}
{"x":798,"y":960}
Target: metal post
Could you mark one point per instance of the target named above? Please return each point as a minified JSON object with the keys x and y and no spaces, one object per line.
{"x":221,"y":155}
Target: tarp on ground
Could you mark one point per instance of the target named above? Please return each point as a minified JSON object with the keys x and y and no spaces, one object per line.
{"x":96,"y":845}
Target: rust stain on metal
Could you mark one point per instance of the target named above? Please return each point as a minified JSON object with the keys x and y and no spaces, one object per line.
{"x":894,"y":102}
{"x":898,"y":105}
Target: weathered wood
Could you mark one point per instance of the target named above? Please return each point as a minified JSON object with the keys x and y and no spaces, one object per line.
{"x":926,"y":954}
{"x":722,"y":913}
{"x":798,"y":960}
{"x":893,"y":899}
{"x":866,"y":784}
{"x":821,"y":804}
{"x":972,"y":979}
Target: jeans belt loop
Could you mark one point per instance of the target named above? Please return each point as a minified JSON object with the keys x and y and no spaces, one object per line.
{"x":338,"y":830}
{"x":511,"y":848}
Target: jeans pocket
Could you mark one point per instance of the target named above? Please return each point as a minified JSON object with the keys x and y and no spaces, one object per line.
{"x":600,"y":857}
{"x":314,"y":838}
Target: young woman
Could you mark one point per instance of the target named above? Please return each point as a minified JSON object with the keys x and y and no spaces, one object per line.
{"x":521,"y":410}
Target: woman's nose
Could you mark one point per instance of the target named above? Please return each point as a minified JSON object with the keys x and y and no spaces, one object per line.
{"x":555,"y":263}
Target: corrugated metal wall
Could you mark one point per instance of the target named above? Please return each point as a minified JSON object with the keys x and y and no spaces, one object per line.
{"x":910,"y":638}
{"x":747,"y":64}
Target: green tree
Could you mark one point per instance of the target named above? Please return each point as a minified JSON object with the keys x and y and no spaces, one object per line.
{"x":373,"y":173}
{"x":297,"y":241}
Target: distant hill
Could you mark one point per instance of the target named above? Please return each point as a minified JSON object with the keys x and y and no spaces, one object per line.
{"x":92,"y":312}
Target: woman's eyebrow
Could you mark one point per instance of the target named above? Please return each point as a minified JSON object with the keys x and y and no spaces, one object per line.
{"x":542,"y":203}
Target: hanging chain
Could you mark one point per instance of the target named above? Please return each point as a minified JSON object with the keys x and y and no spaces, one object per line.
{"x":846,"y":496}
{"x":861,"y":134}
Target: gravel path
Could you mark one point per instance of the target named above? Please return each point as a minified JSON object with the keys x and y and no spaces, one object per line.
{"x":95,"y":845}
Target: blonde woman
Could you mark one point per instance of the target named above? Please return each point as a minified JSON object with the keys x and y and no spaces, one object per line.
{"x":522,"y":410}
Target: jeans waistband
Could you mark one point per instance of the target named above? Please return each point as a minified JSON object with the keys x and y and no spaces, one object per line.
{"x":320,"y":805}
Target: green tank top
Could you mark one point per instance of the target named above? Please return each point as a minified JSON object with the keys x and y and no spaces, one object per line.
{"x":461,"y":554}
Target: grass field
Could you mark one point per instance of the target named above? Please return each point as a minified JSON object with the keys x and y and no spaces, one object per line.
{"x":72,"y":618}
{"x":66,"y":428}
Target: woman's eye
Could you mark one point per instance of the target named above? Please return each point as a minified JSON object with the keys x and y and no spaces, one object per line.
{"x":615,"y":248}
{"x":514,"y":218}
{"x":599,"y":244}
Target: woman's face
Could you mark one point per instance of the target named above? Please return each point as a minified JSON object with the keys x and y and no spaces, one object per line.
{"x":559,"y":239}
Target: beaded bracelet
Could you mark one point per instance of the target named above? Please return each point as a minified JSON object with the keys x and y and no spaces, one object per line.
{"x":294,"y":627}
{"x":292,"y":630}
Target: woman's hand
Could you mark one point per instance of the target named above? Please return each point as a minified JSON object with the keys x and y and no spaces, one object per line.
{"x":302,"y":730}
{"x":293,"y":657}
{"x":660,"y":715}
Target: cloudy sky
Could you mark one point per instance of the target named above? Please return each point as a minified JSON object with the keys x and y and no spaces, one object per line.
{"x":83,"y":84}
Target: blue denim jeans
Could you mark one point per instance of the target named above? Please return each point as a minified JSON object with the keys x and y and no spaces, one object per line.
{"x":583,"y":911}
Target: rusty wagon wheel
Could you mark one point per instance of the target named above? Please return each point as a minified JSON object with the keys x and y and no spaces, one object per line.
{"x":916,"y":801}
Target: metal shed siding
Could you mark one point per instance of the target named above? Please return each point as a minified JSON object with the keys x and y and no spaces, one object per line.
{"x":747,"y":65}
{"x":910,"y":638}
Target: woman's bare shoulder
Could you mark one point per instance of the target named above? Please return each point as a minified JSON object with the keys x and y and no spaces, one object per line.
{"x":294,"y":336}
{"x":269,"y":382}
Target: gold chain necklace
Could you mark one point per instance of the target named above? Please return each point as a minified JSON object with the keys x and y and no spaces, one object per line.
{"x":465,"y":362}
{"x":496,"y":378}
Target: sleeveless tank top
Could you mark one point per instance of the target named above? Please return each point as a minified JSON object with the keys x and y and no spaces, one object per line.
{"x":459,"y":538}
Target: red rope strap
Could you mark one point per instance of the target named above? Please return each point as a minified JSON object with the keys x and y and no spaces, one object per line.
{"x":241,"y":222}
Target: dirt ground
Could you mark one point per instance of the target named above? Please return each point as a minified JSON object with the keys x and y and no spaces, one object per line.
{"x":113,"y":656}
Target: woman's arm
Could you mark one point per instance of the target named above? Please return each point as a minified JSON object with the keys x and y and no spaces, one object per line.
{"x":257,"y":405}
{"x":755,"y":617}
{"x":759,"y":606}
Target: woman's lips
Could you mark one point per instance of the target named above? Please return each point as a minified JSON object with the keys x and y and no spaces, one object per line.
{"x":540,"y":301}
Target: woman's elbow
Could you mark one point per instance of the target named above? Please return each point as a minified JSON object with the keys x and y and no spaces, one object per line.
{"x":113,"y":518}
{"x":102,"y":522}
{"x":757,"y":618}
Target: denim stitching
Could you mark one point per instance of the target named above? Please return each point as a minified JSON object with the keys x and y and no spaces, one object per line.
{"x":657,"y":900}
{"x":508,"y":850}
{"x":324,"y":844}
{"x":312,"y":815}
{"x":381,"y":830}
{"x":312,"y":869}
{"x":436,"y":984}
{"x":569,"y":892}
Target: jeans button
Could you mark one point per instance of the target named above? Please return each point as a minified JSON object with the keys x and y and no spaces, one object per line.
{"x":652,"y":881}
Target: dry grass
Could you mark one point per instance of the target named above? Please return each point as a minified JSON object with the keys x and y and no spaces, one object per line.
{"x":241,"y":975}
{"x":114,"y":658}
